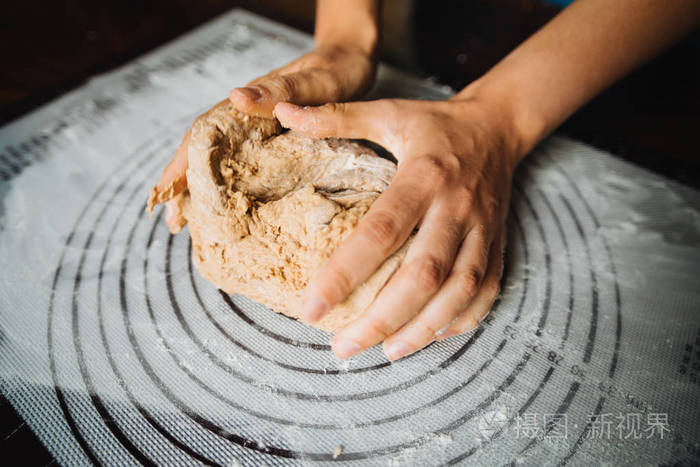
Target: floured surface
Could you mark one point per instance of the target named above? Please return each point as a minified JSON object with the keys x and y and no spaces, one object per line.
{"x":266,"y":208}
{"x":114,"y":349}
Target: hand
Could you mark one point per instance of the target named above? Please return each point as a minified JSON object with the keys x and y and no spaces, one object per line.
{"x":327,"y":74}
{"x":456,"y":160}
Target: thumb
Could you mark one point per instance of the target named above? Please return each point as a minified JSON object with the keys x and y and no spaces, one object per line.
{"x":173,"y":180}
{"x":356,"y":120}
{"x":304,"y":87}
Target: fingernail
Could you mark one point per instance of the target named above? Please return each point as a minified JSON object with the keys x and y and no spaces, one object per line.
{"x":345,"y":348}
{"x":313,"y":309}
{"x":250,"y":93}
{"x":396,"y":350}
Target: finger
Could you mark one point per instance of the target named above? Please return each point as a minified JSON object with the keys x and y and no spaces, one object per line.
{"x":173,"y":180}
{"x":427,"y":263}
{"x":480,"y":307}
{"x":384,"y":228}
{"x":304,"y":87}
{"x":357,"y":120}
{"x":174,"y":215}
{"x":459,"y":289}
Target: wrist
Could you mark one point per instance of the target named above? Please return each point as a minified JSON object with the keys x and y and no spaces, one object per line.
{"x":512,"y":113}
{"x":503,"y":118}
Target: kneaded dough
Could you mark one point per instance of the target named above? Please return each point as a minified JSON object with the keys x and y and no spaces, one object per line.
{"x":266,"y":208}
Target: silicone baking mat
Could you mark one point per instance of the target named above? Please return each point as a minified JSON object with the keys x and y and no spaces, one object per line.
{"x":114,"y":350}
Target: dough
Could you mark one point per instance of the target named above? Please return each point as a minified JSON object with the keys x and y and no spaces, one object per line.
{"x":266,"y":208}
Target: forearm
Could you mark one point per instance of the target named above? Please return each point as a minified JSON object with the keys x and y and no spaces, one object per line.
{"x":348,"y":24}
{"x":583,"y":50}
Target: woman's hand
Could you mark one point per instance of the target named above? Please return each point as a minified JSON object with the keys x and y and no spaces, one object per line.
{"x":327,"y":74}
{"x":456,"y":160}
{"x":330,"y":73}
{"x":340,"y":68}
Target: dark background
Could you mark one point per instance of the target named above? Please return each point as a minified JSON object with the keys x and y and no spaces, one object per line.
{"x":49,"y":47}
{"x":650,"y":118}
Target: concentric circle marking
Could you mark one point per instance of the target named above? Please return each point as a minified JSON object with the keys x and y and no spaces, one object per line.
{"x":170,"y":440}
{"x":179,"y":402}
{"x":60,"y":394}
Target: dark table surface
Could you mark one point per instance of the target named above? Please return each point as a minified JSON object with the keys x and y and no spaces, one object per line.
{"x":18,"y":440}
{"x":651,"y":118}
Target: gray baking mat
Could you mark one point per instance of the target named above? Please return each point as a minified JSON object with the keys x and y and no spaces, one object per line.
{"x":114,"y":350}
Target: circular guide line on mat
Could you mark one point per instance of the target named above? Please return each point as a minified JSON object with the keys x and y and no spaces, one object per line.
{"x":171,"y":435}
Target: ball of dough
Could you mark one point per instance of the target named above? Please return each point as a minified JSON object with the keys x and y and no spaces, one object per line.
{"x":265,"y":208}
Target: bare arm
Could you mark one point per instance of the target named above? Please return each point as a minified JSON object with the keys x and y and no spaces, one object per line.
{"x":582,"y":51}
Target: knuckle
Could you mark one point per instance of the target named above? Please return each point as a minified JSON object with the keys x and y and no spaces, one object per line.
{"x":281,"y":85}
{"x":288,"y":84}
{"x":469,"y":281}
{"x":341,"y":280}
{"x":492,"y":207}
{"x":481,"y":233}
{"x":463,"y":200}
{"x":429,"y":273}
{"x":383,"y":229}
{"x":428,"y":329}
{"x":335,"y":107}
{"x":437,"y":170}
{"x":380,"y":328}
{"x":454,"y":230}
{"x":452,"y":162}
